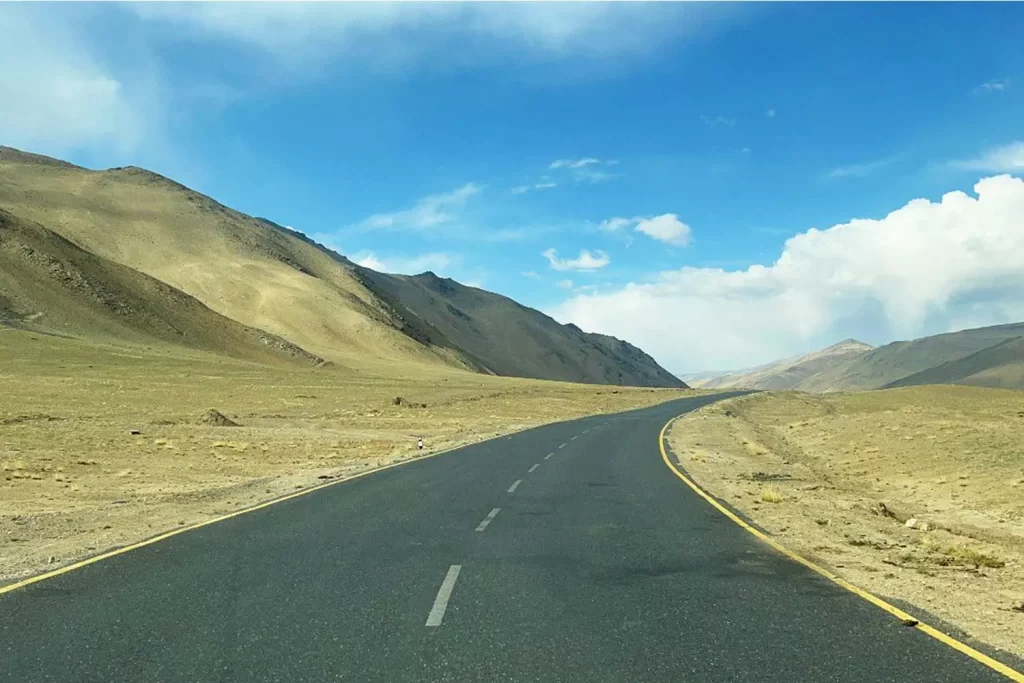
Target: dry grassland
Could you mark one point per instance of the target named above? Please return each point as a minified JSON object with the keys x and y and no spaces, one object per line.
{"x":914,"y":494}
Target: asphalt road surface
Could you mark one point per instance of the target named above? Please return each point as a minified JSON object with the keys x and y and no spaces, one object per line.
{"x":565,"y":553}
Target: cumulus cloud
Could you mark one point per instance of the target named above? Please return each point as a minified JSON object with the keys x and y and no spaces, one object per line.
{"x":586,"y":261}
{"x":1006,"y":159}
{"x":928,"y":267}
{"x":665,"y":228}
{"x":429,"y":212}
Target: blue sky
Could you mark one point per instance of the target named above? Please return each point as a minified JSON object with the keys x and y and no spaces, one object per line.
{"x":618,"y":165}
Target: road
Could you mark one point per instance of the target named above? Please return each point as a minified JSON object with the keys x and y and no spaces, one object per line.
{"x":565,"y":553}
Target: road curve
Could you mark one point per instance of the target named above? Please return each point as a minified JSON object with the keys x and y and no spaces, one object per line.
{"x":564,"y":553}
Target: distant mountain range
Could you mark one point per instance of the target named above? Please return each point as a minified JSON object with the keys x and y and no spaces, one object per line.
{"x":984,"y":356}
{"x":131,"y":256}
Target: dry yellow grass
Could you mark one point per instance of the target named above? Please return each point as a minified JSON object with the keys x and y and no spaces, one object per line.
{"x":854,"y":470}
{"x":72,"y":408}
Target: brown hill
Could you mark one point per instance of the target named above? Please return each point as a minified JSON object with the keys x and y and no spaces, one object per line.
{"x":506,"y":338}
{"x":49,"y":284}
{"x":265,"y":277}
{"x":791,"y":373}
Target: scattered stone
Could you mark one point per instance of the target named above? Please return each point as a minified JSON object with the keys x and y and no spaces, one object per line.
{"x":51,"y":559}
{"x":398,"y":400}
{"x":911,"y":622}
{"x":883,"y":511}
{"x":1018,"y":608}
{"x":326,"y":476}
{"x":216,"y":419}
{"x":910,"y":523}
{"x":923,"y":526}
{"x":135,"y":432}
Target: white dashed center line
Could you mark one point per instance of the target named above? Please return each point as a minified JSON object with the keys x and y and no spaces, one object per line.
{"x":574,"y":438}
{"x":488,"y":519}
{"x":562,"y":446}
{"x":534,"y":467}
{"x":443,"y":595}
{"x":548,"y":456}
{"x":513,"y":487}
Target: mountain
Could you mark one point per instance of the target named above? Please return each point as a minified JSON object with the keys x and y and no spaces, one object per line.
{"x":898,"y":360}
{"x":507,"y":338}
{"x":129,"y":228}
{"x":1000,"y":366}
{"x":791,"y":373}
{"x":49,"y":284}
{"x":984,"y":356}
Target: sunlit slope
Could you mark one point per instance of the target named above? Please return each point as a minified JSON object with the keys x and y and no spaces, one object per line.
{"x":49,"y":284}
{"x":237,"y":265}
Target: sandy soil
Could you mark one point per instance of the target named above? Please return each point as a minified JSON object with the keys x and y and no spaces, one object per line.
{"x":76,"y":480}
{"x":839,"y":478}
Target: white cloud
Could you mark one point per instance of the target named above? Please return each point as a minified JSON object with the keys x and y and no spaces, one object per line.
{"x":58,"y":97}
{"x":666,"y":228}
{"x":436,"y":35}
{"x":586,"y":260}
{"x":1006,"y":159}
{"x":745,"y":150}
{"x":994,"y":86}
{"x":860,"y":170}
{"x":523,"y":189}
{"x":565,"y":284}
{"x":574,"y":163}
{"x":716,"y":121}
{"x":407,"y":265}
{"x":616,"y":224}
{"x":430,"y":212}
{"x":586,"y":169}
{"x":925,"y":268}
{"x":533,"y":275}
{"x":770,"y":113}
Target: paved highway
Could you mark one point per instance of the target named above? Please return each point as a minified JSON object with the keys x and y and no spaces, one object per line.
{"x":565,"y":553}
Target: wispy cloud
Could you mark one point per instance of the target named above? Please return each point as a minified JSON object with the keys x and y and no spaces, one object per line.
{"x":1006,"y":159}
{"x":532,"y":274}
{"x":523,"y":189}
{"x":429,"y":212}
{"x":716,"y":121}
{"x":438,"y":262}
{"x":586,"y":261}
{"x":401,"y":36}
{"x":564,"y":284}
{"x":770,"y":113}
{"x":993,"y":86}
{"x":860,"y":170}
{"x":586,"y":169}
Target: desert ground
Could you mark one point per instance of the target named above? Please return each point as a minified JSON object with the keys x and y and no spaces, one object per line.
{"x":104,"y":445}
{"x":914,"y":494}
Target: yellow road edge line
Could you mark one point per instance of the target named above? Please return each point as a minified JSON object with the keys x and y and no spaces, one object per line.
{"x":938,"y":635}
{"x":198,"y":525}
